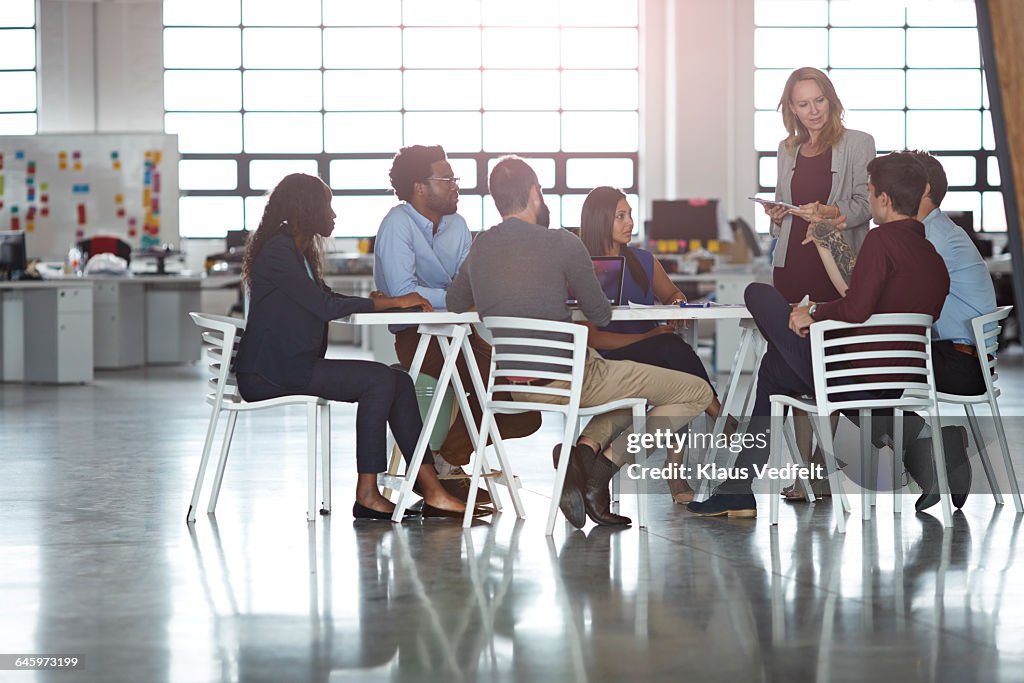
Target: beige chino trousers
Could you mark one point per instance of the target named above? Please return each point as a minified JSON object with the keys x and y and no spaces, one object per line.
{"x":676,"y":396}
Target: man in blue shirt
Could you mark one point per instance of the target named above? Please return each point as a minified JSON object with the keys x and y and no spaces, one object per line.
{"x":420,"y":246}
{"x":971,"y":292}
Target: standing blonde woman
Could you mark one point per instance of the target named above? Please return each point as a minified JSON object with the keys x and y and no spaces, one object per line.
{"x":823,"y":170}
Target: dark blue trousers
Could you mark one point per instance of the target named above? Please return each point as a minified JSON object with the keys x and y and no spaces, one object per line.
{"x":384,"y":397}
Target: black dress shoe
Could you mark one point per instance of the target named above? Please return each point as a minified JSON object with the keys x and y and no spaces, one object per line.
{"x":734,"y":505}
{"x":360,"y":511}
{"x":429,"y":511}
{"x":921,"y":466}
{"x":571,"y":500}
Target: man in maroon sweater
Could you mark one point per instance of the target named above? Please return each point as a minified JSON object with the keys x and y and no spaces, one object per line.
{"x":897,"y":271}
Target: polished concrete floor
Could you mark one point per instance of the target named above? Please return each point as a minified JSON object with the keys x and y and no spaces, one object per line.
{"x":96,"y":560}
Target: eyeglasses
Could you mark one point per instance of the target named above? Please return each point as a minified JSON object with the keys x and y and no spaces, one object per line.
{"x":450,"y":181}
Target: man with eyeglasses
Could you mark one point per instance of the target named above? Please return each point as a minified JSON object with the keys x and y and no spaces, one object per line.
{"x":420,"y":246}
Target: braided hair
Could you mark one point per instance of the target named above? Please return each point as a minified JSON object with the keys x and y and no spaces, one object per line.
{"x":297,"y":207}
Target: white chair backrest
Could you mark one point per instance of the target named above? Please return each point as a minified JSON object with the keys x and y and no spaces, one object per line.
{"x":526,"y":348}
{"x":898,"y":358}
{"x":986,"y":342}
{"x":220,"y":339}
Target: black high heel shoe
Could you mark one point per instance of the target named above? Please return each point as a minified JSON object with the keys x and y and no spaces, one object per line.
{"x":360,"y":511}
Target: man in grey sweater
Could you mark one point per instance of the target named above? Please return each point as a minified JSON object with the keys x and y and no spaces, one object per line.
{"x":521,"y":268}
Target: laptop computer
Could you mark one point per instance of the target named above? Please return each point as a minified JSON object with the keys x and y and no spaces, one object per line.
{"x":609,"y":270}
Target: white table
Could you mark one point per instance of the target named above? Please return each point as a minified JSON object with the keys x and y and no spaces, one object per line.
{"x":452,"y":331}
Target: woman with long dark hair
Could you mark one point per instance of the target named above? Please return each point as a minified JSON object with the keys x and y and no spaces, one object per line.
{"x":282,"y":350}
{"x":606,"y":228}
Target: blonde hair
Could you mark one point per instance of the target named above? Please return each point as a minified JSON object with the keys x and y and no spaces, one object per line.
{"x":798,"y":133}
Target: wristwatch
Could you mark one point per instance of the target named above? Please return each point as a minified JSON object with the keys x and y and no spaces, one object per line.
{"x":812,"y":309}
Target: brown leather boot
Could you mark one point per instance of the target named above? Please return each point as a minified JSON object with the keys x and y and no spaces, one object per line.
{"x":596,"y":497}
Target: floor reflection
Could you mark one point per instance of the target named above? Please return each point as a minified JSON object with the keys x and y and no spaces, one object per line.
{"x":719,"y":601}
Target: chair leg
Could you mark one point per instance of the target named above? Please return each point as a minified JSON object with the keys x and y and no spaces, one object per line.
{"x":775,"y":458}
{"x":1007,"y":462}
{"x":311,"y":411}
{"x":939,"y":454}
{"x":229,"y":433}
{"x":897,"y":462}
{"x":639,"y":418}
{"x":563,"y":467}
{"x":822,"y":426}
{"x":867,"y":472}
{"x":993,"y":483}
{"x":511,"y":483}
{"x":211,"y":429}
{"x":476,"y":467}
{"x":394,"y":463}
{"x":325,"y":456}
{"x":787,"y":430}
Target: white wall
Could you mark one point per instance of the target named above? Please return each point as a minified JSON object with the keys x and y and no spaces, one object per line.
{"x":698,"y":102}
{"x":101,"y":70}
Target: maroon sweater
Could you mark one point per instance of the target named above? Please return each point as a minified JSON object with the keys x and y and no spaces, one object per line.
{"x":897,"y":271}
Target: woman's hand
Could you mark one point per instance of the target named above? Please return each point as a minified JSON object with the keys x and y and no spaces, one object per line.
{"x":816,"y":212}
{"x":776,"y":212}
{"x":382,"y":303}
{"x":664,"y":328}
{"x":414,"y":299}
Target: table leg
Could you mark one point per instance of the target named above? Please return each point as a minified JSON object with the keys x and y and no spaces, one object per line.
{"x":728,"y":402}
{"x":414,"y":372}
{"x":416,"y":460}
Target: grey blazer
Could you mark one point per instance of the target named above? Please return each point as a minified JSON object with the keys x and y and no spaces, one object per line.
{"x":850,"y":159}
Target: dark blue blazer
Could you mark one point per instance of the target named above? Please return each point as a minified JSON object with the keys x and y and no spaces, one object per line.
{"x":286,"y":331}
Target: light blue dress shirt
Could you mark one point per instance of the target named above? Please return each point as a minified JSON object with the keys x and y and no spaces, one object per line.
{"x":971,"y":292}
{"x":409,"y":257}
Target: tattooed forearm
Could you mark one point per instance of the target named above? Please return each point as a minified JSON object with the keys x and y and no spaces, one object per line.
{"x":833,"y":240}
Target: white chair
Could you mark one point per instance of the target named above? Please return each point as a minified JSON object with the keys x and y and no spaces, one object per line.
{"x":987,"y":344}
{"x":220,"y":337}
{"x":832,"y":374}
{"x":514,"y":346}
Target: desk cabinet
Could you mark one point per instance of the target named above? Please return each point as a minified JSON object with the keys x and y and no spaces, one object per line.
{"x":171,"y":336}
{"x":59,"y":324}
{"x":12,"y":336}
{"x":119,"y":331}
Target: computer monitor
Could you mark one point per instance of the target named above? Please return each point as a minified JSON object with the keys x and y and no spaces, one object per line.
{"x":965,"y":219}
{"x":13,"y":257}
{"x":609,"y":271}
{"x":683,"y":220}
{"x":236,"y":238}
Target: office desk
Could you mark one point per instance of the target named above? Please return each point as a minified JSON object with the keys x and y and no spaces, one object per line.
{"x":143,"y":319}
{"x":46,"y":331}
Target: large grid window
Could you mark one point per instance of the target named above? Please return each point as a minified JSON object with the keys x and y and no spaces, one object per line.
{"x":257,"y":89}
{"x":908,"y":72}
{"x":18,"y":102}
